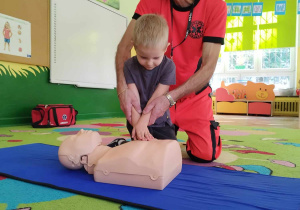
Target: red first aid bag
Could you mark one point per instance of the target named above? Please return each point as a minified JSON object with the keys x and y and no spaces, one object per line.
{"x":53,"y":115}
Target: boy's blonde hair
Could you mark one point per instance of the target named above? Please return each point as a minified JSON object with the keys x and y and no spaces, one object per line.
{"x":151,"y":30}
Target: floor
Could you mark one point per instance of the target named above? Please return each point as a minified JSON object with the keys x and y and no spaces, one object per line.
{"x":276,"y":122}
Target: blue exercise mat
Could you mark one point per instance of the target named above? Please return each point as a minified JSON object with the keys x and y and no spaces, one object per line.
{"x":195,"y":187}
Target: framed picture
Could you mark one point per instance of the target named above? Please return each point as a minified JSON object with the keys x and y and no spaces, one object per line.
{"x":280,"y":7}
{"x":229,"y":8}
{"x":257,"y":9}
{"x":246,"y":9}
{"x":236,"y":9}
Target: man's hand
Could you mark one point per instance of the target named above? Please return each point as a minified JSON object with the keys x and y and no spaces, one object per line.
{"x":157,"y":107}
{"x":127,"y":100}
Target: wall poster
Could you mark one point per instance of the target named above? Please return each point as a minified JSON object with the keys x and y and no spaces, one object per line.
{"x":15,"y":38}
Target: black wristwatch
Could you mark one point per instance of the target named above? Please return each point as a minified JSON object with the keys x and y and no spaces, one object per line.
{"x":171,"y":100}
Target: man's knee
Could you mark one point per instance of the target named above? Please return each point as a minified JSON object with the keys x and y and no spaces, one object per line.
{"x":205,"y":147}
{"x":200,"y":156}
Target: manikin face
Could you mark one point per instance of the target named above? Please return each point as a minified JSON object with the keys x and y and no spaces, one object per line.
{"x":183,"y":3}
{"x":149,"y":57}
{"x":74,"y":147}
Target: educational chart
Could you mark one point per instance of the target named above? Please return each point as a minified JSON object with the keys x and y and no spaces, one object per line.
{"x":15,"y":38}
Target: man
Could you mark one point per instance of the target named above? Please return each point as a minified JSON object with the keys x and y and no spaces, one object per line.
{"x":197,"y":30}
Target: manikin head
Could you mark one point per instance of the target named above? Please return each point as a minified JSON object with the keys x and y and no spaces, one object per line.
{"x":73,"y":148}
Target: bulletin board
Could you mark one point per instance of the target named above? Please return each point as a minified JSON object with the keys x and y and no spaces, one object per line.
{"x":37,"y":13}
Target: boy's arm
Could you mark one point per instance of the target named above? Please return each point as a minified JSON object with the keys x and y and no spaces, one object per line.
{"x":135,"y":116}
{"x":144,"y":119}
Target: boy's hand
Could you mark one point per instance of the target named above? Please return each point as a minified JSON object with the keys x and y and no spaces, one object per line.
{"x":141,"y":132}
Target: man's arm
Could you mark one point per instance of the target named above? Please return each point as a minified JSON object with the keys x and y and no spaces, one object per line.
{"x":126,"y":96}
{"x":195,"y":83}
{"x":135,"y":116}
{"x":198,"y":80}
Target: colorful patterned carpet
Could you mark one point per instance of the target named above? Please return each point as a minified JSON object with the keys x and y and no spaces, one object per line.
{"x":268,"y":151}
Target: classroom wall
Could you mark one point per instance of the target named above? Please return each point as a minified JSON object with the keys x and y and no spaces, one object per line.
{"x":24,"y":86}
{"x":298,"y":54}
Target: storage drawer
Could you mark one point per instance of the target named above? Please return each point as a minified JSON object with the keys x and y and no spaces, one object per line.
{"x":263,"y":108}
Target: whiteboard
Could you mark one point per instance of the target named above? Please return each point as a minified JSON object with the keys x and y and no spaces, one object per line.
{"x":84,"y":39}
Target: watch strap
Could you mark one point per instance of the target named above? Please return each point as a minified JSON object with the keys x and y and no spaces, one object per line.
{"x":171,"y":100}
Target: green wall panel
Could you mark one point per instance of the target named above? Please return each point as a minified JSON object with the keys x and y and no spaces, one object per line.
{"x":18,"y":95}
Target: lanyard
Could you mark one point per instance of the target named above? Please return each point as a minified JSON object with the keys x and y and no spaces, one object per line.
{"x":187,"y":30}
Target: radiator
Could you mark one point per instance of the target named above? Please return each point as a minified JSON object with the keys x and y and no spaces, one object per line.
{"x":286,"y":106}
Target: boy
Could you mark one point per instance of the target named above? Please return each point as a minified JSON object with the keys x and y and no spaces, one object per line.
{"x":149,"y":75}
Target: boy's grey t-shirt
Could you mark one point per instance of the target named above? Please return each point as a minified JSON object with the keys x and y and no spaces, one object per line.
{"x":147,"y":81}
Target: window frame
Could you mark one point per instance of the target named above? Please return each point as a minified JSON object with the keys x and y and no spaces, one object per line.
{"x":222,"y":69}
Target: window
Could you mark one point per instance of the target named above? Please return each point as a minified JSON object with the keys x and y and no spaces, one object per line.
{"x":259,"y":48}
{"x":270,"y":66}
{"x":241,"y":60}
{"x":276,"y":58}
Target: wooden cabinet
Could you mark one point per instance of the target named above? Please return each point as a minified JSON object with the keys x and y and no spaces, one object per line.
{"x":245,"y":107}
{"x":233,"y":107}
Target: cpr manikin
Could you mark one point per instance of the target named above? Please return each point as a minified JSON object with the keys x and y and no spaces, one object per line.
{"x":148,"y":164}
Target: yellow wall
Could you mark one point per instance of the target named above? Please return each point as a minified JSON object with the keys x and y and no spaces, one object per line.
{"x":127,"y":7}
{"x":298,"y":69}
{"x":298,"y":54}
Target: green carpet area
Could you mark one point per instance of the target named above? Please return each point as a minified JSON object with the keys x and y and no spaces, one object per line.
{"x":263,"y":150}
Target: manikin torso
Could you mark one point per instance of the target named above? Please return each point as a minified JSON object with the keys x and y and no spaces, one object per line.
{"x":149,"y":164}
